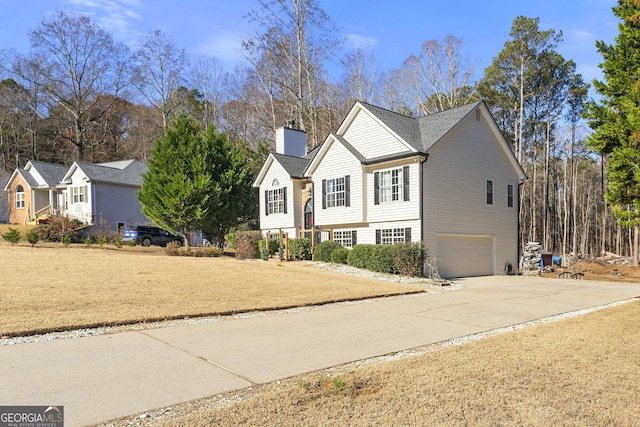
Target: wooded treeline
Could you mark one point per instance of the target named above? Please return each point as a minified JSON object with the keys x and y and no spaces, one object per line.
{"x":79,"y":95}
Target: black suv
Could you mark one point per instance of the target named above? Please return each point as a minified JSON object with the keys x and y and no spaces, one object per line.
{"x":147,"y":235}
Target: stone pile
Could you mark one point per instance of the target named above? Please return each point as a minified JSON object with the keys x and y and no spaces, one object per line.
{"x":531,"y":257}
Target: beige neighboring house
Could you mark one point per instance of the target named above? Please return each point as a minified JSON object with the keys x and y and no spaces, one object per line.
{"x":100,"y":194}
{"x":448,"y":179}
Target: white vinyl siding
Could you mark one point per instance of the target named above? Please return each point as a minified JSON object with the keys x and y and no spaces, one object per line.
{"x":338,"y":163}
{"x":455,"y":197}
{"x":371,"y":139}
{"x":293,"y":216}
{"x":406,"y":207}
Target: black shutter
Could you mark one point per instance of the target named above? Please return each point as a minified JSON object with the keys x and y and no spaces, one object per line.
{"x":378,"y":237}
{"x":376,"y":188}
{"x":354,"y":238}
{"x":324,"y":194}
{"x":284,"y":197}
{"x":405,"y":182}
{"x":347,"y":191}
{"x":266,"y":202}
{"x":407,"y":234}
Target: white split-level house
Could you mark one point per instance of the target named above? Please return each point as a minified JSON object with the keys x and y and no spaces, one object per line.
{"x":102,"y":194}
{"x":448,"y":179}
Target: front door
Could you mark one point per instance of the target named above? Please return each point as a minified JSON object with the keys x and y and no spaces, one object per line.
{"x":308,"y":215}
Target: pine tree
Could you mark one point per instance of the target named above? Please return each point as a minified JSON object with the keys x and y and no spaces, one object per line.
{"x":232,"y":199}
{"x":176,"y":188}
{"x":615,"y":118}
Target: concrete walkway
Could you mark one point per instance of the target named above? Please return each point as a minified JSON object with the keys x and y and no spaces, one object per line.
{"x":104,"y":377}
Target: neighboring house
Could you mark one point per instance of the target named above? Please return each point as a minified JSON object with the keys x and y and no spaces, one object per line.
{"x":4,"y":197}
{"x":32,"y":191}
{"x":448,"y":179}
{"x":103,"y":194}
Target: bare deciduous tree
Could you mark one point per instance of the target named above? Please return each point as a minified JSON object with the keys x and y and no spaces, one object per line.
{"x":159,"y":70}
{"x":80,"y":62}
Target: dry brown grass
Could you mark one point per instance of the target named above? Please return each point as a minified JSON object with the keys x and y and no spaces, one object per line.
{"x":50,"y":287}
{"x":576,"y":372}
{"x":601,"y":271}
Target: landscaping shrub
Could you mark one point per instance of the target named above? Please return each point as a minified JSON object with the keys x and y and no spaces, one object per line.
{"x":339,"y":256}
{"x":300,"y":249}
{"x":232,"y":236}
{"x":101,"y":239}
{"x":247,"y":244}
{"x":57,"y":228}
{"x":12,"y":236}
{"x":382,"y":259}
{"x":324,"y":250}
{"x":172,"y":249}
{"x":409,"y":258}
{"x":32,"y":237}
{"x":360,"y":255}
{"x":274,"y":245}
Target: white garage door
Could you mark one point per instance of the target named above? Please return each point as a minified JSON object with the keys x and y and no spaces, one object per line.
{"x":465,"y":256}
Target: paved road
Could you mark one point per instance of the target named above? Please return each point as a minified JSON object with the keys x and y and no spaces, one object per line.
{"x":104,"y":377}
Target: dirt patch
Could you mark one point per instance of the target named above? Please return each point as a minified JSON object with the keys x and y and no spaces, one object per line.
{"x":601,"y":271}
{"x":51,"y":287}
{"x":575,"y":372}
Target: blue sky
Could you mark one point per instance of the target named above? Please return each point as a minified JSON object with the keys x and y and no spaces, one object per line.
{"x":391,"y":30}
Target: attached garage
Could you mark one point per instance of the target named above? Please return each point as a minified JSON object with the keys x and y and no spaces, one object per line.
{"x":465,"y":255}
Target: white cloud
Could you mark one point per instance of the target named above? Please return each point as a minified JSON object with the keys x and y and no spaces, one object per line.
{"x":583,"y":35}
{"x":118,"y":17}
{"x":224,"y":46}
{"x":356,"y":41}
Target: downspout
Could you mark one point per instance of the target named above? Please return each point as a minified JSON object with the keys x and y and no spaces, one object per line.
{"x":420,"y":197}
{"x":518,"y":230}
{"x":93,"y":203}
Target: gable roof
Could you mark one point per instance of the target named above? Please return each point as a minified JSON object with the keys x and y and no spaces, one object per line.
{"x":434,"y":126}
{"x":50,"y":172}
{"x":418,"y":134}
{"x":294,"y":166}
{"x":38,"y":174}
{"x":128,"y":172}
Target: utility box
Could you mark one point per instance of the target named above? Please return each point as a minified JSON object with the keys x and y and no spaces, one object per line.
{"x":547,"y":259}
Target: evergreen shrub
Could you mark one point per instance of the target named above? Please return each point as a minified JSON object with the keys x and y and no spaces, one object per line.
{"x":300,"y":249}
{"x":324,"y":250}
{"x":32,"y":237}
{"x":12,"y":236}
{"x":360,"y":256}
{"x":339,"y":256}
{"x":382,"y":259}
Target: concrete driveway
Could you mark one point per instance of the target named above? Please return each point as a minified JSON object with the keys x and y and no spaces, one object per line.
{"x":108,"y":376}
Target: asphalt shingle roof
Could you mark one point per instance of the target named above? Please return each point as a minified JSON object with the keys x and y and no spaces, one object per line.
{"x":31,"y":181}
{"x":126,"y":172}
{"x":294,"y":166}
{"x":435,"y":126}
{"x":51,"y":173}
{"x":420,"y":133}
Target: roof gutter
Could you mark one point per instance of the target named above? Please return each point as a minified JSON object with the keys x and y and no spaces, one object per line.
{"x":396,"y":157}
